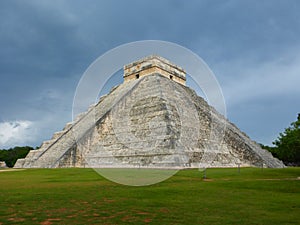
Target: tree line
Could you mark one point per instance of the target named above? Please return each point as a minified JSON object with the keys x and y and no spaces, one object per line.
{"x":10,"y":156}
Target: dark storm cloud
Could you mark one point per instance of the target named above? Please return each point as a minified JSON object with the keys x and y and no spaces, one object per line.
{"x":38,"y":40}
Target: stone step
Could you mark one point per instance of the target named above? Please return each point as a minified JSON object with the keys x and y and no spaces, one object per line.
{"x":65,"y":140}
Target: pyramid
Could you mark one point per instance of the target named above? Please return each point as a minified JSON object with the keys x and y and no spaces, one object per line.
{"x":151,"y":120}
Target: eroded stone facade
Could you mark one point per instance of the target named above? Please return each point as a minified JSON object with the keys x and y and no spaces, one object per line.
{"x":3,"y":164}
{"x":151,"y":65}
{"x":149,"y":122}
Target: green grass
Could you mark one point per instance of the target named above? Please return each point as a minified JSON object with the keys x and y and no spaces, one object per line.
{"x":81,"y":196}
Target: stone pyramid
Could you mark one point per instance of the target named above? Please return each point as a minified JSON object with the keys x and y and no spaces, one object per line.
{"x":152,"y":120}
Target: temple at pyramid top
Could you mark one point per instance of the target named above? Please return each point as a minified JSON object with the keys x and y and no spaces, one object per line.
{"x":151,"y":65}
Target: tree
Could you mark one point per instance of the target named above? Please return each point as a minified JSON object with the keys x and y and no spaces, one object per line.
{"x":288,"y":144}
{"x":10,"y":156}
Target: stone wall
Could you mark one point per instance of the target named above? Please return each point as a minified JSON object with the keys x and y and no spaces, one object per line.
{"x":3,"y":164}
{"x":151,"y":65}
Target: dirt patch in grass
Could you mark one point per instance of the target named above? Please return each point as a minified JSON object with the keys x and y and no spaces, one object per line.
{"x":50,"y":221}
{"x":147,"y":220}
{"x":13,"y":219}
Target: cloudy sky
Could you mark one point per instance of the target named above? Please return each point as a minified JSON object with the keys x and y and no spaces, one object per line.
{"x":253,"y":47}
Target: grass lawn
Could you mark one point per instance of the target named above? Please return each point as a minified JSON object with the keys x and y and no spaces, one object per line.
{"x":82,"y":196}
